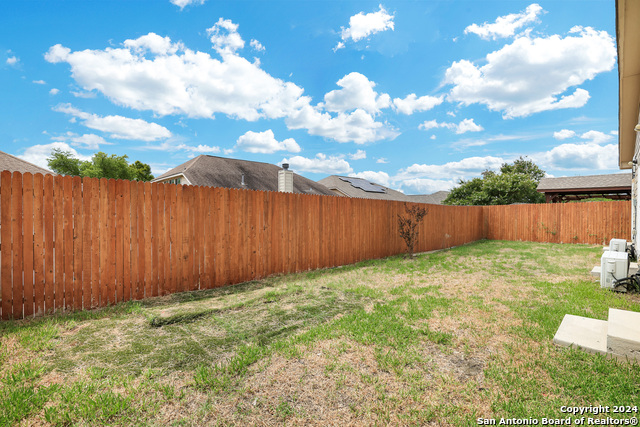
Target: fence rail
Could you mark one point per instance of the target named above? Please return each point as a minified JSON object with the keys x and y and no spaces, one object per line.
{"x":68,"y":243}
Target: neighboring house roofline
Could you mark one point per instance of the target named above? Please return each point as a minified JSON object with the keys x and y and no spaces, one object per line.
{"x":583,"y":190}
{"x":226,"y":172}
{"x":16,"y":164}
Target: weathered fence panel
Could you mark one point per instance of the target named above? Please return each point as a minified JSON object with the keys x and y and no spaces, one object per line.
{"x":592,"y":222}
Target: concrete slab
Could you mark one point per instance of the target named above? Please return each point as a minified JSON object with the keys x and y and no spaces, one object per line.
{"x":596,"y":271}
{"x":633,"y":268}
{"x":623,"y":336}
{"x":582,"y":332}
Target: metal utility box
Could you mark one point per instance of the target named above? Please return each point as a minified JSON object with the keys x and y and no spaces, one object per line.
{"x":618,"y":245}
{"x":613,"y":266}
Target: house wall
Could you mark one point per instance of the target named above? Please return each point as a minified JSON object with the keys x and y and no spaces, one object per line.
{"x":635,"y":211}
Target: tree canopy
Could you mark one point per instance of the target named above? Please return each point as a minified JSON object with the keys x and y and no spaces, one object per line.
{"x":101,"y":165}
{"x":515,"y":182}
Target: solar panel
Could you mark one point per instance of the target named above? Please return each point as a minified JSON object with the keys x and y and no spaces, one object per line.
{"x":365,"y":185}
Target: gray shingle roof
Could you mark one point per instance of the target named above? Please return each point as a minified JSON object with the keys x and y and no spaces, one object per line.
{"x":15,"y":164}
{"x":619,"y":180}
{"x":334,"y":182}
{"x":341,"y":185}
{"x":213,"y":171}
{"x":434,"y":199}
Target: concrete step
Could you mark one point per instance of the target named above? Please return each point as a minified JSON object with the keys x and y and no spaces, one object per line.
{"x":623,"y":335}
{"x":582,"y":332}
{"x":618,"y":337}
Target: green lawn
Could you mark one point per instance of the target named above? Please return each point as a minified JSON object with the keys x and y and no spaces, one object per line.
{"x":445,"y":338}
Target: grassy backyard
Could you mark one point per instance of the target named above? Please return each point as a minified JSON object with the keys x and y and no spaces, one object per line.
{"x":442,"y":339}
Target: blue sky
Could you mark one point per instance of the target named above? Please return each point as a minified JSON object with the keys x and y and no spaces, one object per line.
{"x":414,"y":95}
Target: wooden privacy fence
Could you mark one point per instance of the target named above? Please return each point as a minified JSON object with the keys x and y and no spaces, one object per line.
{"x":68,"y":243}
{"x":592,"y":222}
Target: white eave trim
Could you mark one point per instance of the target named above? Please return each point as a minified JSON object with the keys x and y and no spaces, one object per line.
{"x":180,"y":175}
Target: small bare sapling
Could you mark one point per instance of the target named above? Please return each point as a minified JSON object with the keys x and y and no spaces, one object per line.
{"x":408,"y":225}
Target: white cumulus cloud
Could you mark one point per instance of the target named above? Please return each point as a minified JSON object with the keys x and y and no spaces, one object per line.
{"x":184,"y":3}
{"x":597,"y":137}
{"x":466,"y":125}
{"x":224,"y":37}
{"x":171,"y":79}
{"x":117,"y":126}
{"x":412,"y":103}
{"x":359,"y":126}
{"x":534,"y":74}
{"x":593,"y":136}
{"x":427,"y":185}
{"x":564,"y":134}
{"x":155,"y":74}
{"x":581,"y":156}
{"x":364,"y":25}
{"x":265,"y":142}
{"x":357,"y":92}
{"x":38,"y":154}
{"x":256,"y":45}
{"x":358,"y":155}
{"x":173,"y":146}
{"x":463,"y":169}
{"x":506,"y":26}
{"x":331,"y":165}
{"x":86,"y":141}
{"x":381,"y":178}
{"x":153,"y":43}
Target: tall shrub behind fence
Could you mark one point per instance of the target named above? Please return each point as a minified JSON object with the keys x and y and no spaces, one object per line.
{"x":68,"y":243}
{"x":592,"y":222}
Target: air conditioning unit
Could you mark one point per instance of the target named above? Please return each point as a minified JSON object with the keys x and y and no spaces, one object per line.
{"x":613,"y":266}
{"x":618,"y":245}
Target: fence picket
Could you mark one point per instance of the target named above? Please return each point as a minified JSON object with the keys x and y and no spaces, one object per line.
{"x":87,"y":242}
{"x":27,"y":247}
{"x":6,"y":279}
{"x":48,"y":223}
{"x":161,"y":236}
{"x":119,"y":246}
{"x":155,"y":236}
{"x":126,"y":243}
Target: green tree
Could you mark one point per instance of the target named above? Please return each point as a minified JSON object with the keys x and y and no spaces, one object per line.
{"x":63,"y":163}
{"x":101,"y":165}
{"x":516,"y":182}
{"x":142,"y":171}
{"x":524,"y":166}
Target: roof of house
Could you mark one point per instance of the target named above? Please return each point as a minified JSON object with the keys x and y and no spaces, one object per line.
{"x":15,"y":164}
{"x":213,"y":171}
{"x":435,"y":199}
{"x":362,"y":188}
{"x":589,"y":182}
{"x":628,"y":40}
